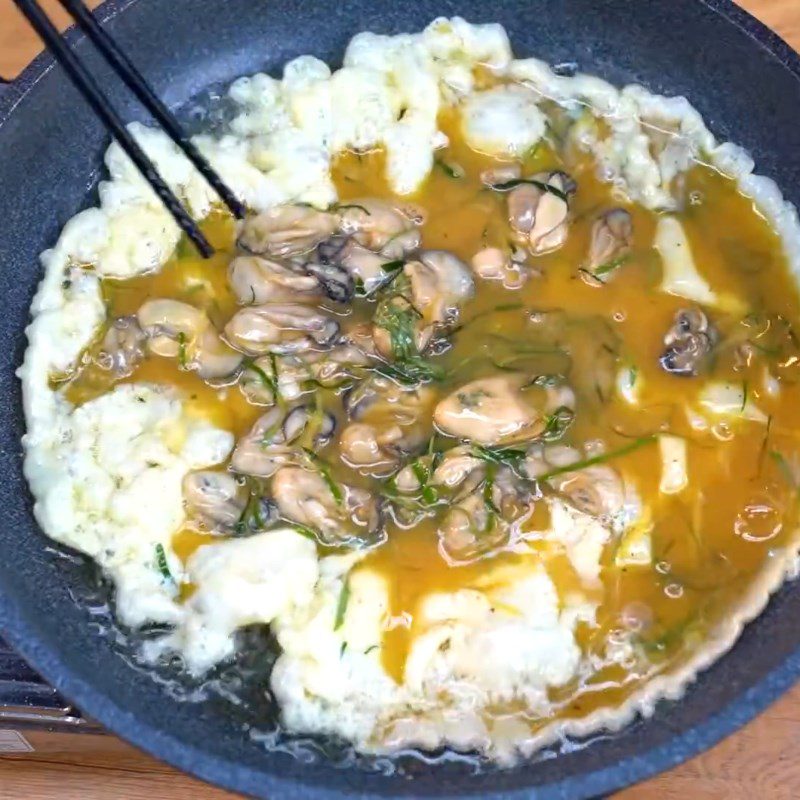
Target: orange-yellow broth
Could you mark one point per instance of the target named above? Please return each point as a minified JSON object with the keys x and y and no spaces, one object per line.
{"x":701,"y":559}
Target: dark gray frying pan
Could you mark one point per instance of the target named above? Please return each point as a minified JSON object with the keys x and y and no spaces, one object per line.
{"x":743,"y":79}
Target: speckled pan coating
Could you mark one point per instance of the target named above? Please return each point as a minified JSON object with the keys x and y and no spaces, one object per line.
{"x":740,"y":76}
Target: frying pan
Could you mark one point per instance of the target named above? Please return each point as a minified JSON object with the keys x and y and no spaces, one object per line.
{"x":743,"y":79}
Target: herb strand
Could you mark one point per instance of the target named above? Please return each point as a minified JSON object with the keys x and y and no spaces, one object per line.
{"x":341,"y":604}
{"x":270,"y":381}
{"x":504,"y":456}
{"x":610,"y":266}
{"x":492,"y":511}
{"x":304,"y":530}
{"x":557,"y":423}
{"x":325,"y":472}
{"x":161,"y":562}
{"x":422,"y":474}
{"x":764,"y":444}
{"x":506,"y":186}
{"x":455,"y":171}
{"x":182,"y":349}
{"x":398,"y":316}
{"x":601,"y":459}
{"x":251,"y":519}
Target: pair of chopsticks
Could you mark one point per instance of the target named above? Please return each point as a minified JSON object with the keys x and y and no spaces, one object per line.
{"x":87,"y":86}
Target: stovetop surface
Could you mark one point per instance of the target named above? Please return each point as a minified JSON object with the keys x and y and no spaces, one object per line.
{"x":27,"y":698}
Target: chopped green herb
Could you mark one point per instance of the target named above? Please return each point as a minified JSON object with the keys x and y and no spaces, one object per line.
{"x":270,"y":381}
{"x":492,"y":511}
{"x":601,"y":459}
{"x":371,"y":648}
{"x":426,"y":496}
{"x":610,"y":266}
{"x":182,"y":350}
{"x":505,"y":456}
{"x":432,"y":452}
{"x":341,"y":605}
{"x":304,"y":530}
{"x":633,"y":374}
{"x":411,"y":371}
{"x":421,"y":472}
{"x":545,"y":187}
{"x":764,"y":445}
{"x":393,"y":270}
{"x":451,"y":170}
{"x":557,"y":423}
{"x":745,"y":388}
{"x":430,"y":495}
{"x":161,"y":562}
{"x":252,"y":517}
{"x":342,"y":649}
{"x":325,"y":471}
{"x":398,"y":317}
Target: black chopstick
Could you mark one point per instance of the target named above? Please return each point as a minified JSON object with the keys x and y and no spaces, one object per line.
{"x":85,"y":83}
{"x":139,"y":86}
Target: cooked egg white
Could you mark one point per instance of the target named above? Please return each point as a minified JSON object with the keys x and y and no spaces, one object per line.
{"x":107,"y":478}
{"x":504,"y":121}
{"x":239,"y":582}
{"x":510,"y":638}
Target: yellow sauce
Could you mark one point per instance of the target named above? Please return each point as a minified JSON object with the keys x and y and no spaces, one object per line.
{"x":701,"y":559}
{"x":694,"y":531}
